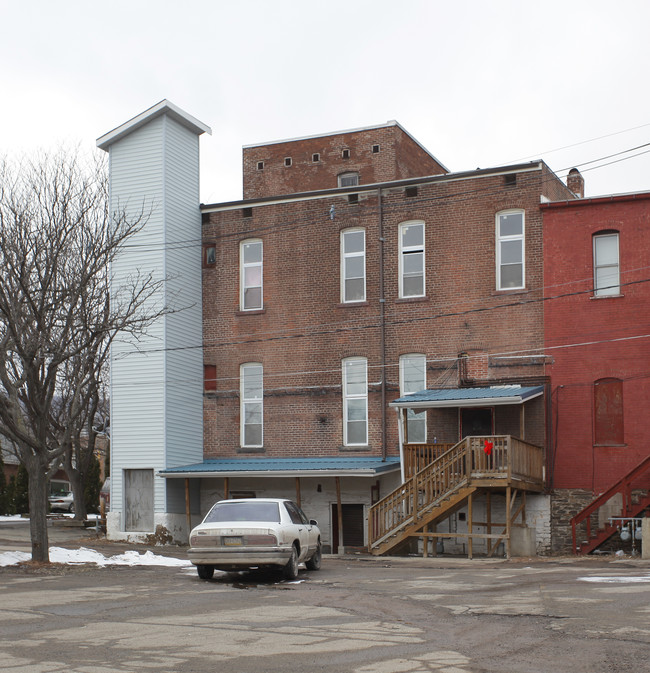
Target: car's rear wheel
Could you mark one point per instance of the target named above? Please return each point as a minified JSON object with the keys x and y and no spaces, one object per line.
{"x":205,"y":572}
{"x":315,"y":561}
{"x":71,"y":508}
{"x":290,"y":571}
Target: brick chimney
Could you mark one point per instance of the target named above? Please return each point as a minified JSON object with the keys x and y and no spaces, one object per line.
{"x":576,"y":183}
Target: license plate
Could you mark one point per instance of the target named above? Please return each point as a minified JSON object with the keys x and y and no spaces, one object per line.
{"x":232,"y":541}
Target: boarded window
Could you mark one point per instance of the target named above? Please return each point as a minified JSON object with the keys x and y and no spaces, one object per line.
{"x":138,"y":501}
{"x":209,"y":377}
{"x":608,"y":412}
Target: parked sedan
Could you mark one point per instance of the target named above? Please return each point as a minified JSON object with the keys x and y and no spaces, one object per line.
{"x":63,"y":502}
{"x":255,"y":533}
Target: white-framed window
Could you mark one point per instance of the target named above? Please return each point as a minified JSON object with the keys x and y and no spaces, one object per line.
{"x":251,"y":401}
{"x":355,"y":402}
{"x":510,"y":253}
{"x":413,"y":379}
{"x":348,"y":179}
{"x":606,"y":264}
{"x":411,"y":259}
{"x":250,"y":255}
{"x":353,"y":265}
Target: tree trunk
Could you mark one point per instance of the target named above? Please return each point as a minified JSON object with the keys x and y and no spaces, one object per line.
{"x":77,"y":484}
{"x":38,"y":507}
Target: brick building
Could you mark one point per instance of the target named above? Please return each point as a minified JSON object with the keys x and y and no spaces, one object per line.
{"x":596,"y":257}
{"x":363,"y":311}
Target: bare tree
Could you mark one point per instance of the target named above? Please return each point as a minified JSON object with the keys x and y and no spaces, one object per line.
{"x":57,"y":242}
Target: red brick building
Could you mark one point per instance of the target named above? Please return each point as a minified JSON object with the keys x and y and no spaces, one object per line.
{"x":597,"y":327}
{"x":356,"y":270}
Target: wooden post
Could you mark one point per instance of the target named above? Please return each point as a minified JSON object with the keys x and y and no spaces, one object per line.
{"x":435,"y":540}
{"x":188,"y":509}
{"x":470,"y":541}
{"x":488,"y":506}
{"x":339,"y":511}
{"x":226,"y":489}
{"x":522,"y":423}
{"x":508,"y":526}
{"x":298,"y":491}
{"x":425,"y":543}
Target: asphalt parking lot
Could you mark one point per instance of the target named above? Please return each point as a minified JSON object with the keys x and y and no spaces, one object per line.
{"x":357,"y":614}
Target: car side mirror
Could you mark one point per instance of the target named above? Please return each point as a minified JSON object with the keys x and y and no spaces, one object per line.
{"x":313,"y":522}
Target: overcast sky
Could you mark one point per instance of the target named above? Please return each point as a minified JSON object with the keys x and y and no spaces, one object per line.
{"x":478,"y":83}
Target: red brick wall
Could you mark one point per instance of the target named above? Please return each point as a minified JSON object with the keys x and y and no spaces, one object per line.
{"x":304,"y":332}
{"x":599,"y":330}
{"x":399,"y":157}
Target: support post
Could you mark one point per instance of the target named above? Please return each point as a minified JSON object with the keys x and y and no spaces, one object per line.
{"x":298,"y":492}
{"x":339,"y":512}
{"x":226,"y":488}
{"x":188,"y":509}
{"x":508,"y":524}
{"x":470,"y":541}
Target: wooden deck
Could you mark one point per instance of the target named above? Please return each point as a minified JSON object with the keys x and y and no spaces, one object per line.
{"x":448,"y":482}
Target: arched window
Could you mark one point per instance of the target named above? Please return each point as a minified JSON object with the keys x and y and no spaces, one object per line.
{"x":510,"y":252}
{"x":251,"y":403}
{"x":608,"y":412}
{"x":606,"y":264}
{"x":353,"y":265}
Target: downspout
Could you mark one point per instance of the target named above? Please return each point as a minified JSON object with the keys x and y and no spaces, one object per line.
{"x":400,"y":431}
{"x":382,"y":326}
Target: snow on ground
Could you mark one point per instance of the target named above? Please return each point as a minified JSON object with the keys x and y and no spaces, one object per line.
{"x":84,"y":555}
{"x":620,"y":579}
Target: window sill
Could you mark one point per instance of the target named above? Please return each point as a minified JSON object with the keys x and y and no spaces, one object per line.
{"x":251,"y":449}
{"x":256,"y":311}
{"x":411,"y":300}
{"x":352,"y":304}
{"x":519,"y":290}
{"x":610,"y":446}
{"x":347,"y":449}
{"x":606,"y":296}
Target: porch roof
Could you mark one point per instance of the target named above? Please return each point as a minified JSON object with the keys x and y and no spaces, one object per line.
{"x":364,"y":466}
{"x":468,"y":397}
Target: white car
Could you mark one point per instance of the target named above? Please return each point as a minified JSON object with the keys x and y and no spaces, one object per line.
{"x":255,"y":533}
{"x":63,"y":502}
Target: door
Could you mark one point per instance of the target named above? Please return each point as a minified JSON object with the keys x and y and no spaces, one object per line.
{"x":353,"y":521}
{"x":475,"y":422}
{"x":138,"y":500}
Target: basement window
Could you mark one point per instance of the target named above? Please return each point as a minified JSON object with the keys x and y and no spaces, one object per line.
{"x":510,"y":180}
{"x":315,"y":158}
{"x":411,"y":191}
{"x":247,"y":212}
{"x":287,"y":161}
{"x":353,"y":198}
{"x":260,"y":165}
{"x":345,"y":154}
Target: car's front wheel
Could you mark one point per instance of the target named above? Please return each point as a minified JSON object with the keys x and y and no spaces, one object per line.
{"x":290,"y":571}
{"x":315,"y":561}
{"x":205,"y":572}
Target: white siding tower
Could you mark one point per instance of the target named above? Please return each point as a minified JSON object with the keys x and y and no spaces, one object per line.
{"x":157,"y":385}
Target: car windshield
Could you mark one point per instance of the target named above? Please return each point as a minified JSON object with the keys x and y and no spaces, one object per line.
{"x":244,"y":511}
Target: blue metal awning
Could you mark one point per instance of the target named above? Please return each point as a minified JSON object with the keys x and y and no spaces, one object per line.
{"x":365,"y":466}
{"x":468,"y":397}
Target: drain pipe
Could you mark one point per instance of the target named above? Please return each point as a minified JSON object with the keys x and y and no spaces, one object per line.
{"x":382,"y":322}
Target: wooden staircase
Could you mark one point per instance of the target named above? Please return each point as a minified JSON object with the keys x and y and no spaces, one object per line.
{"x":447,"y":482}
{"x":638,"y":478}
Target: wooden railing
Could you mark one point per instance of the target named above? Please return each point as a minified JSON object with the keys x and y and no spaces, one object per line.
{"x":418,"y":456}
{"x":508,"y":459}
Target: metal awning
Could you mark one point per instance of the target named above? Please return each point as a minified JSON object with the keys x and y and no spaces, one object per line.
{"x":468,"y":397}
{"x":365,"y":466}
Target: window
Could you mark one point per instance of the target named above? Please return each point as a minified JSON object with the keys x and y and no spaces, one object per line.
{"x":287,"y":161}
{"x":412,"y":379}
{"x":345,"y":154}
{"x":348,"y":179}
{"x":209,"y":255}
{"x":251,"y":275}
{"x":411,"y":259}
{"x":608,"y":412}
{"x":315,"y":158}
{"x":353,"y":265}
{"x":209,"y":377}
{"x":355,"y":402}
{"x":251,"y":404}
{"x":260,"y":165}
{"x":510,"y":250}
{"x":375,"y":149}
{"x":606,"y":269}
